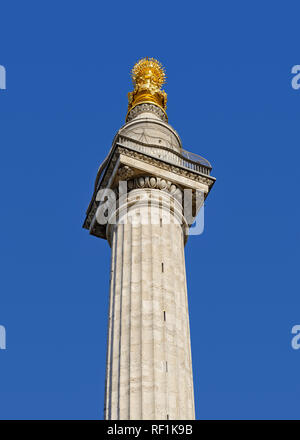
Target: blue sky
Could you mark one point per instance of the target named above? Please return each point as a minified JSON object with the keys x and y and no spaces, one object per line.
{"x":230,"y":98}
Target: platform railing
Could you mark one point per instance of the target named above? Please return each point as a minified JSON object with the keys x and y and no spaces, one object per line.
{"x":182,"y":158}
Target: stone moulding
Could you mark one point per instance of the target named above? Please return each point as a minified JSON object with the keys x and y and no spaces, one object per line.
{"x":148,"y":108}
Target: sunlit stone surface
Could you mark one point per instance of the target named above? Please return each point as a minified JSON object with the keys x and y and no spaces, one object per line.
{"x":149,"y":366}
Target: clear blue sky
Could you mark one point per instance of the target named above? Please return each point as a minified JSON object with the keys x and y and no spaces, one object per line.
{"x":230,"y":98}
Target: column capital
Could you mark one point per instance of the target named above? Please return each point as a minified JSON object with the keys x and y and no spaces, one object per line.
{"x":144,"y":166}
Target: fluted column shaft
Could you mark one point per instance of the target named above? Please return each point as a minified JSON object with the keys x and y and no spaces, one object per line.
{"x":149,"y":367}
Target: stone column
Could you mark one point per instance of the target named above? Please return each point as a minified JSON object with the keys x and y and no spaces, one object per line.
{"x":149,"y":367}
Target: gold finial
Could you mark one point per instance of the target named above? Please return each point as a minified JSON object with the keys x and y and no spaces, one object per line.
{"x":148,"y":76}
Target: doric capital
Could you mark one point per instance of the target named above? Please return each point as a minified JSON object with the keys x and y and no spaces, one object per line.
{"x":148,"y":181}
{"x":148,"y":167}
